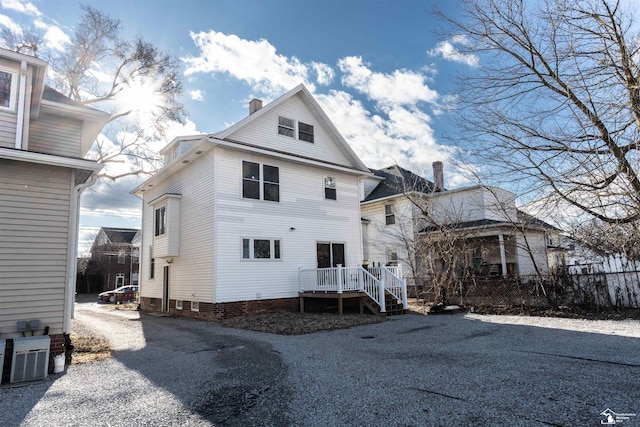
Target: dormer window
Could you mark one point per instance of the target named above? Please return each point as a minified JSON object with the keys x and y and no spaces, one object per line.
{"x":7,"y":89}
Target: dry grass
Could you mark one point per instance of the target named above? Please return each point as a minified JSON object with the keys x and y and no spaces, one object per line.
{"x":89,"y":349}
{"x":300,"y":323}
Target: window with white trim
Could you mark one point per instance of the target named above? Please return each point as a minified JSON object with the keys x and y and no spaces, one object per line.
{"x":8,"y":81}
{"x":152,"y":263}
{"x":261,"y":249}
{"x":330,"y":187}
{"x":305,"y":132}
{"x":178,"y":304}
{"x":260,"y":186}
{"x":160,"y":220}
{"x":195,"y":306}
{"x":119,"y":280}
{"x":292,"y":128}
{"x":389,"y":214}
{"x":392,"y":258}
{"x":286,"y":127}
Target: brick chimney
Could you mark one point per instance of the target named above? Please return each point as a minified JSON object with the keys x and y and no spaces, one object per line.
{"x":254,"y":105}
{"x":438,"y":176}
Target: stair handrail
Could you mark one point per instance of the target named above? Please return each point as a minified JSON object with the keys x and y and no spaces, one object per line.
{"x":396,"y":286}
{"x":373,"y":287}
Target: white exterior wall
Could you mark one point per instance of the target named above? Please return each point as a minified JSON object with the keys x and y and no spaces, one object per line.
{"x":263,"y":131}
{"x":537,"y":243}
{"x":473,"y":204}
{"x":34,"y":240}
{"x":57,"y":135}
{"x":301,"y":206}
{"x":382,"y":237}
{"x":191,"y":274}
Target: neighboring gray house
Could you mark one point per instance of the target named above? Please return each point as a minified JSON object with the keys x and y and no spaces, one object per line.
{"x":43,"y":139}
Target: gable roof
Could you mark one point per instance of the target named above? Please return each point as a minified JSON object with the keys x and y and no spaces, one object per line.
{"x":120,"y":235}
{"x":311,"y":103}
{"x":397,"y":181}
{"x":198,"y":144}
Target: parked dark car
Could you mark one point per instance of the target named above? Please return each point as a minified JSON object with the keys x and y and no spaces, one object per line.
{"x":121,"y":294}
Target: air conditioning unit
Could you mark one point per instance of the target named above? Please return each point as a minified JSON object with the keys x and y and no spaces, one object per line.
{"x":30,"y":358}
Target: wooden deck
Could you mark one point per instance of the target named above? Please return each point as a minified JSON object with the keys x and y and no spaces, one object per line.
{"x":361,"y":296}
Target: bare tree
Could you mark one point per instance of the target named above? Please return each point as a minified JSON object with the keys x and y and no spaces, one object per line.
{"x":555,"y":102}
{"x":98,"y":68}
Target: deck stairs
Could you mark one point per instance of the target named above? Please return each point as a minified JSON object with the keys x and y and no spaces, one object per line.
{"x":382,"y":290}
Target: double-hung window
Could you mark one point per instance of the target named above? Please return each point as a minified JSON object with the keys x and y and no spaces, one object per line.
{"x":305,"y":132}
{"x":7,"y":89}
{"x":260,"y":182}
{"x":257,"y":249}
{"x":160,"y":220}
{"x":330,"y":187}
{"x":286,"y":127}
{"x":389,"y":215}
{"x":291,"y":128}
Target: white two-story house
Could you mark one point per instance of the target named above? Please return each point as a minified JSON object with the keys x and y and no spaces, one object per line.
{"x":233,"y":216}
{"x":405,"y":217}
{"x":43,"y":139}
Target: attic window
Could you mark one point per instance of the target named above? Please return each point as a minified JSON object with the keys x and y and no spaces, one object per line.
{"x":305,"y":132}
{"x":286,"y":126}
{"x":7,"y":89}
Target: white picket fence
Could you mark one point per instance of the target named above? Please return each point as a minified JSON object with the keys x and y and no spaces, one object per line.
{"x":374,"y":282}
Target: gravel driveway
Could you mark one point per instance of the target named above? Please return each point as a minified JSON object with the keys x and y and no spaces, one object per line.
{"x":448,"y":370}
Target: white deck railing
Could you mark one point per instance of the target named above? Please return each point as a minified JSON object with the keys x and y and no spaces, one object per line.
{"x":373,"y":282}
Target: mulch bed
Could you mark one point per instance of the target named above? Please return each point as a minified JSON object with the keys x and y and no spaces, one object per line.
{"x":300,"y":323}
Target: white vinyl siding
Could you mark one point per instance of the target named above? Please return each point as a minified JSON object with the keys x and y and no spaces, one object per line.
{"x":307,"y":212}
{"x":263,"y":132}
{"x":192,"y":272}
{"x":57,"y":135}
{"x":34,"y":207}
{"x":8,"y":123}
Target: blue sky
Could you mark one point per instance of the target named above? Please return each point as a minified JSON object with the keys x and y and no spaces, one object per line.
{"x":376,"y":67}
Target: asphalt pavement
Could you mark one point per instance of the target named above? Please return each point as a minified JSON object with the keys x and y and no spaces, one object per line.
{"x":445,"y":370}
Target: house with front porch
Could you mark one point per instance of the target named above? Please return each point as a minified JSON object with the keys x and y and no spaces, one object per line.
{"x":250,"y":218}
{"x":408,"y":220}
{"x":43,"y":138}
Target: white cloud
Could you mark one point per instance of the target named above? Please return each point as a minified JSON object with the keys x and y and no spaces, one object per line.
{"x":54,"y":37}
{"x":398,"y":132}
{"x":197,"y":95}
{"x":402,"y":87}
{"x":255,"y":62}
{"x":325,"y":73}
{"x":7,"y":22}
{"x":404,"y":136}
{"x":21,"y":6}
{"x":448,"y":50}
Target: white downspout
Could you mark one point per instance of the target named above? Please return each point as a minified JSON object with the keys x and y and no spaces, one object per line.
{"x":21,"y":104}
{"x":72,"y":253}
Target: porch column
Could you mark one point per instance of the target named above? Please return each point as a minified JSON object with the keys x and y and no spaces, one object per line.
{"x":503,"y":256}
